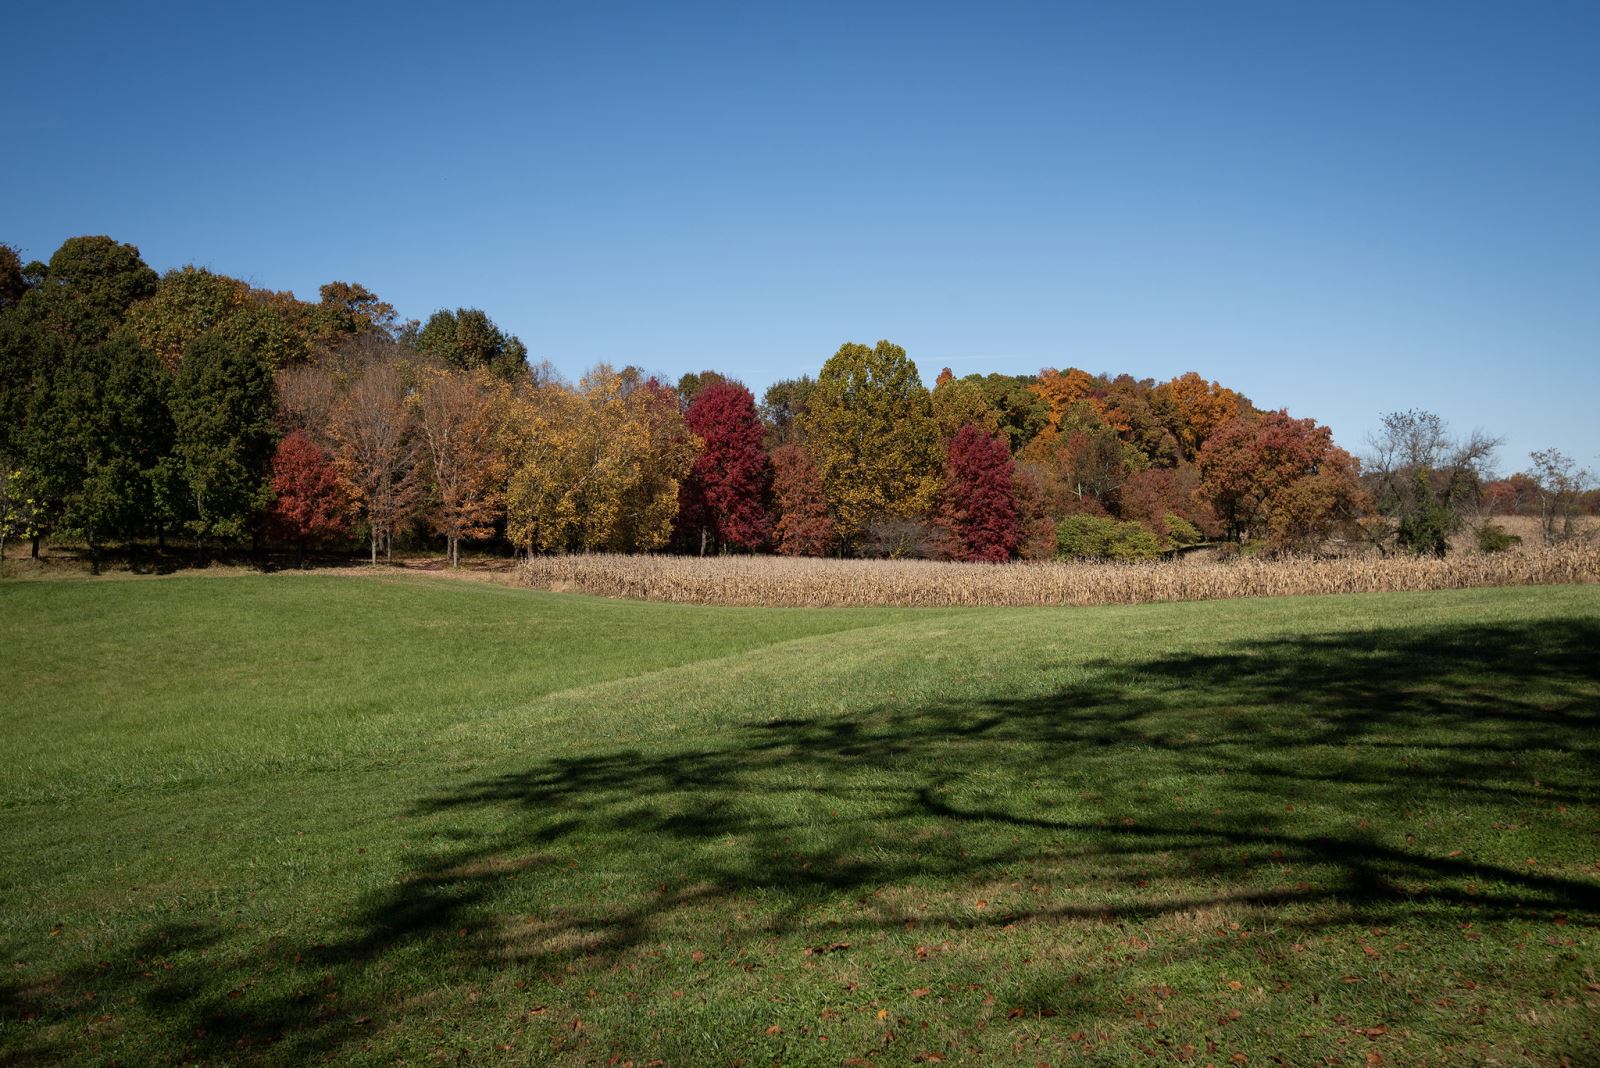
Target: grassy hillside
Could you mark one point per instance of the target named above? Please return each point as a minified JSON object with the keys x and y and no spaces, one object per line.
{"x":280,"y":818}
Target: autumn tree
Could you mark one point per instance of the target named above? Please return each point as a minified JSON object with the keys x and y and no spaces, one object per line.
{"x":1516,"y":494}
{"x":458,"y":415}
{"x":1194,"y":409}
{"x":1424,"y":480}
{"x":1083,"y":460}
{"x":659,"y":452}
{"x":958,"y":403}
{"x":802,"y":525}
{"x":1279,"y":478}
{"x":1156,"y":496}
{"x":548,"y":445}
{"x":467,"y":339}
{"x":723,"y":500}
{"x":191,"y":302}
{"x":783,"y":409}
{"x":222,"y":412}
{"x":376,"y":451}
{"x":977,"y":508}
{"x":598,"y":467}
{"x":309,"y":503}
{"x":348,"y":310}
{"x":1129,"y":405}
{"x":870,"y":428}
{"x":692,"y":382}
{"x":1023,"y":413}
{"x":1060,"y":390}
{"x":1036,"y":522}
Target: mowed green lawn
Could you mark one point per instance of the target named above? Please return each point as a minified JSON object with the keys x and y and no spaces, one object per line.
{"x":296,"y":818}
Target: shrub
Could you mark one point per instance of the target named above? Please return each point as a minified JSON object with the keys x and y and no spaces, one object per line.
{"x":1093,"y":537}
{"x":1182,"y":532}
{"x":1494,"y":538}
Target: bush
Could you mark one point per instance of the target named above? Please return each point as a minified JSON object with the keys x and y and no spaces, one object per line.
{"x":1494,"y":538}
{"x":1093,"y":537}
{"x":1182,"y":532}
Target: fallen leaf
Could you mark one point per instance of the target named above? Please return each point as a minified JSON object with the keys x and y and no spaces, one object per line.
{"x":774,"y":1030}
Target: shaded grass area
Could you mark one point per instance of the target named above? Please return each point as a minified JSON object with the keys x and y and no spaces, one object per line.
{"x":1316,"y":830}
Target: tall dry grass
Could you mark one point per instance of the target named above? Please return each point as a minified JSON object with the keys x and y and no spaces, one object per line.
{"x":782,"y":581}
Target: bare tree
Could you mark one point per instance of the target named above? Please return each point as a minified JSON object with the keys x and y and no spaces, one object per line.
{"x":1424,"y":480}
{"x":376,"y":451}
{"x":1562,"y":484}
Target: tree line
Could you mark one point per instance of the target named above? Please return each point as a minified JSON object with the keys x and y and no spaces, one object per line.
{"x":140,"y":407}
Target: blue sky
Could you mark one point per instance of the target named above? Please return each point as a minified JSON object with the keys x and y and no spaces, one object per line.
{"x":1338,"y":208}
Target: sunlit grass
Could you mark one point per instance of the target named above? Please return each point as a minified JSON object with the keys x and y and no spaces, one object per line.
{"x":281,"y":818}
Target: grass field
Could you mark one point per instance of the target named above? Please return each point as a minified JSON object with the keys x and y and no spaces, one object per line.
{"x":290,"y":818}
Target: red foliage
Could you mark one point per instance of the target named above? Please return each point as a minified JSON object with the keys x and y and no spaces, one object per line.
{"x":1515,"y":495}
{"x":725,"y":494}
{"x":804,"y":527}
{"x":310,"y":502}
{"x":1280,"y":477}
{"x":1149,"y":496}
{"x":978,"y":507}
{"x":1036,"y":525}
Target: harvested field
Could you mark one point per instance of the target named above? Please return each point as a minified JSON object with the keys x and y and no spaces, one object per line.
{"x":788,"y":582}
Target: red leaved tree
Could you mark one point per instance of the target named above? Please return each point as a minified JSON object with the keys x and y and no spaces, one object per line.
{"x":977,"y":504}
{"x":723,"y":500}
{"x":1281,"y":478}
{"x":309,"y":502}
{"x":804,"y":527}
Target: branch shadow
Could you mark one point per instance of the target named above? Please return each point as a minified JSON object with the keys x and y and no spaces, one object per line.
{"x":1291,"y":738}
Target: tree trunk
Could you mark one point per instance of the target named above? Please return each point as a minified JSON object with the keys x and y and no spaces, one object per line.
{"x":34,"y":552}
{"x":94,"y":557}
{"x":373,"y":541}
{"x":702,"y":541}
{"x":300,"y":554}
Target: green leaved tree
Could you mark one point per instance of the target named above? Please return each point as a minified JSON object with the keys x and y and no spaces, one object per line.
{"x":222,"y":410}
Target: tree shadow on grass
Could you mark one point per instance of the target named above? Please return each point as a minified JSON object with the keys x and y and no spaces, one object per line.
{"x":1312,"y":769}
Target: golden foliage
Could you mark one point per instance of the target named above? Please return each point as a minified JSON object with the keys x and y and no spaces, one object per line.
{"x":596,"y":468}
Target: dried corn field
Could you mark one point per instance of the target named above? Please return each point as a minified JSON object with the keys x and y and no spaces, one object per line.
{"x":789,"y":582}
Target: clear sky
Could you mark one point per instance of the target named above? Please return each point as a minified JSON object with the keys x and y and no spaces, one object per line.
{"x":1339,"y":208}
